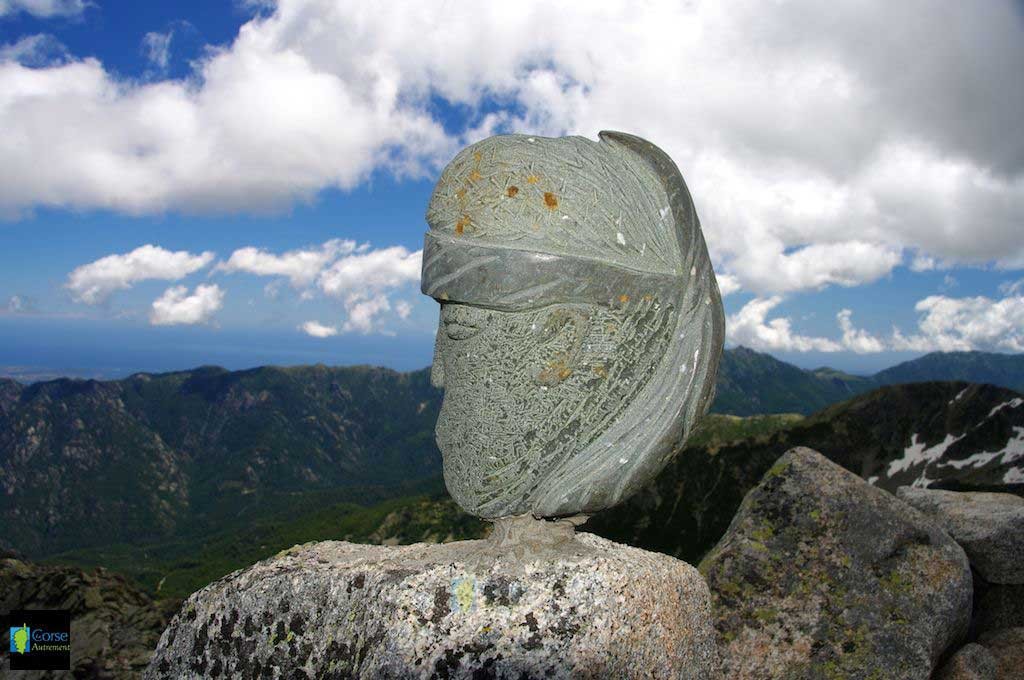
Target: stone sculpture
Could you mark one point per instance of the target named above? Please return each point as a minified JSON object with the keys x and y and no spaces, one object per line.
{"x":581,"y":329}
{"x":581,"y":324}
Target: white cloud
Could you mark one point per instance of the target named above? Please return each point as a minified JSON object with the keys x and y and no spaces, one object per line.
{"x":727,"y":284}
{"x":812,"y":160}
{"x":370,"y":271}
{"x":177,"y":306}
{"x":44,"y":9}
{"x":300,"y":267}
{"x":363,"y":281}
{"x":856,"y":339}
{"x":157,"y":48}
{"x":955,"y":324}
{"x":403,"y":309}
{"x":749,"y":327}
{"x":318,"y":330}
{"x":94,"y":282}
{"x":363,"y":313}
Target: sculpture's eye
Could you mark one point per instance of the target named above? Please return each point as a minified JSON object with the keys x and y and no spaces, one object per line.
{"x":458,"y":322}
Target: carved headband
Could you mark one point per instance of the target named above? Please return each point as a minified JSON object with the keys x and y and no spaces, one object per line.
{"x":510,"y":279}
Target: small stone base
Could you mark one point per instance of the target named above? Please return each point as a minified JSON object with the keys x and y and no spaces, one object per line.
{"x":575,"y":606}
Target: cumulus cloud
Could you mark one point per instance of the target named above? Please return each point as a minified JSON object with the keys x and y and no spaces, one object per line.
{"x":44,"y":9}
{"x":363,"y":313}
{"x":727,"y":284}
{"x":956,"y":324}
{"x":178,"y":307}
{"x":856,"y":339}
{"x":403,"y":309}
{"x":751,"y":327}
{"x":93,"y":283}
{"x":373,"y":270}
{"x":363,"y":280}
{"x":301,"y":267}
{"x":813,"y":162}
{"x":318,"y":330}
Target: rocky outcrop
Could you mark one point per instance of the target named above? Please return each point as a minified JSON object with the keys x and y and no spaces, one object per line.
{"x":989,"y":526}
{"x":586,"y":608}
{"x":114,"y":626}
{"x":821,"y":575}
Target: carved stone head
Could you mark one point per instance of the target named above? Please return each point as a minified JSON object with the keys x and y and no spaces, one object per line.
{"x":581,"y":324}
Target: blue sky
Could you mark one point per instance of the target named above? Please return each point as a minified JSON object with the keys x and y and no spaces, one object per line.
{"x":859,"y":169}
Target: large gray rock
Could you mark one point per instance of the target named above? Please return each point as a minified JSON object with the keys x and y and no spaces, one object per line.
{"x":989,"y":526}
{"x":459,"y":610}
{"x":821,"y":575}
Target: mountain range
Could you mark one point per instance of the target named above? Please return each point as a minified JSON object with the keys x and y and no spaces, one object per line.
{"x":209,"y":468}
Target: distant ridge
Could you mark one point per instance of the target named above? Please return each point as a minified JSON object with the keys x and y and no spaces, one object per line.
{"x":146,"y":458}
{"x":751,"y":383}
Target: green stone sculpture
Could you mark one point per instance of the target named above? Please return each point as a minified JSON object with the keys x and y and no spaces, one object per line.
{"x":581,"y":324}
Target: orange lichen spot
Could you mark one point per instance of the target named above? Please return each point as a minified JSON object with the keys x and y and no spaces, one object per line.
{"x":512,"y":191}
{"x":648,"y":297}
{"x":460,"y":194}
{"x":550,"y":200}
{"x":477,"y":156}
{"x":532,"y":179}
{"x":474,"y":175}
{"x":461,"y":225}
{"x":623,"y":298}
{"x":600,"y":370}
{"x":556,"y":370}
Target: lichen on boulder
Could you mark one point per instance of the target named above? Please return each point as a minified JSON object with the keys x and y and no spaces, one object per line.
{"x":587,"y":607}
{"x":821,"y":575}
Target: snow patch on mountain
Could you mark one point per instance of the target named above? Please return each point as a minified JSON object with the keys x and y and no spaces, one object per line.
{"x":918,"y":453}
{"x":1013,"y":403}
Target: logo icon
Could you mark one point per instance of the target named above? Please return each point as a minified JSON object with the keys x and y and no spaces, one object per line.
{"x":40,"y":639}
{"x":21,"y":639}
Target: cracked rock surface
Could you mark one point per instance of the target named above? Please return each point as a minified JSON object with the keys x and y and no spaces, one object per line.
{"x":585,"y":607}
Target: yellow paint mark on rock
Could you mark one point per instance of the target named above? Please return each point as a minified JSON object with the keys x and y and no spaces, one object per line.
{"x":532,"y":179}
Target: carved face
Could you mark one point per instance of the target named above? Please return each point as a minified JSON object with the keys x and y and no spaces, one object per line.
{"x":525,"y":389}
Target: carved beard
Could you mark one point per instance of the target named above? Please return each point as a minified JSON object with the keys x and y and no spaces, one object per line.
{"x":524,"y":390}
